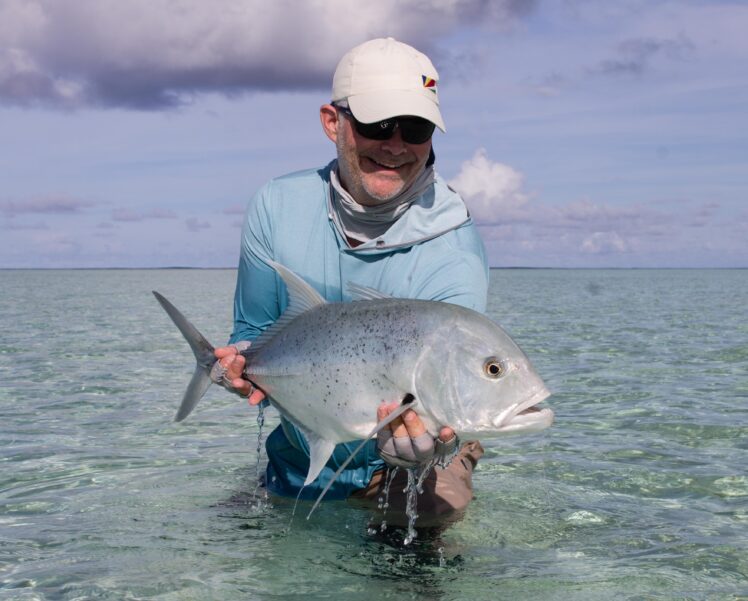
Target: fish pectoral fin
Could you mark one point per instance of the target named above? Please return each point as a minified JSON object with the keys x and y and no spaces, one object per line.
{"x":320,"y":450}
{"x":408,"y":401}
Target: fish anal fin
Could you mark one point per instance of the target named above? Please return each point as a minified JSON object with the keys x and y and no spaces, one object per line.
{"x":320,"y":451}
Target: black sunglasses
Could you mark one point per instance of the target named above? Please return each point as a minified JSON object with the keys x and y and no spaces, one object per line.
{"x":413,"y":130}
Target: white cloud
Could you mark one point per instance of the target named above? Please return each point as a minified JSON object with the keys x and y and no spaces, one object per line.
{"x":515,"y":226}
{"x":492,"y":191}
{"x":601,"y":243}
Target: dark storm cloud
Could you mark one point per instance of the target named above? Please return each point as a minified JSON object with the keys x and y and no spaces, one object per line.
{"x":153,"y":54}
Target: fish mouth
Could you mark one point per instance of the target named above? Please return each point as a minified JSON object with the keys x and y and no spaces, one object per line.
{"x":525,"y":416}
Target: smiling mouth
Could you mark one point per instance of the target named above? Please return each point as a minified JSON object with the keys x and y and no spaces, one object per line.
{"x":385,"y":165}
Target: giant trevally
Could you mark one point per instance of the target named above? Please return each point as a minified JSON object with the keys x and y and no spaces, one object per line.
{"x":326,"y":367}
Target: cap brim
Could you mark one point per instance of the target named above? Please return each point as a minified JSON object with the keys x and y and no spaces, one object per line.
{"x":375,"y":106}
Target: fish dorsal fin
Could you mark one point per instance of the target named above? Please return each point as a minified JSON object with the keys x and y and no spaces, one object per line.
{"x":320,"y":450}
{"x":301,"y":298}
{"x":407,"y":403}
{"x":359,"y":292}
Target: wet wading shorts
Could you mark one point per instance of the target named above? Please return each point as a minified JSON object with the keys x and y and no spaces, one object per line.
{"x":446,"y":492}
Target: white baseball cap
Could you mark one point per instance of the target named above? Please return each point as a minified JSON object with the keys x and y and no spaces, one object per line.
{"x":385,"y":78}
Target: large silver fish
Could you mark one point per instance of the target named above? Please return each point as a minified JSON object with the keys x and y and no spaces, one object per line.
{"x":326,"y":367}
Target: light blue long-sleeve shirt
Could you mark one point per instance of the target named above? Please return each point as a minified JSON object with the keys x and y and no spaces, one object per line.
{"x":432,"y":252}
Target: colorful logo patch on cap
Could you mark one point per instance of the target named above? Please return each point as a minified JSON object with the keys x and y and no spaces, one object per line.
{"x":429,"y":82}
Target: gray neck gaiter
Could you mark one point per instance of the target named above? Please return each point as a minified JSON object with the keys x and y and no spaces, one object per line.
{"x":366,"y":223}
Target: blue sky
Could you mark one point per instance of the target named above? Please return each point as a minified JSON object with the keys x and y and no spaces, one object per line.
{"x":581,"y":133}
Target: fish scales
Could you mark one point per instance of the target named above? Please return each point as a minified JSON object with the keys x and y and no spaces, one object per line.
{"x":350,"y":356}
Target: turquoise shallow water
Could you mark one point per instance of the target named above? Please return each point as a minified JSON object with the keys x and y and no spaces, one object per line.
{"x":639,"y":491}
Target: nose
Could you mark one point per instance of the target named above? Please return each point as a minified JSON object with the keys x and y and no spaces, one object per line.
{"x":395,"y":144}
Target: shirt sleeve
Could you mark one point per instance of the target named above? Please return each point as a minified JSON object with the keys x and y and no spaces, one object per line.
{"x":256,"y":299}
{"x":256,"y":307}
{"x":462,"y":281}
{"x":458,"y":275}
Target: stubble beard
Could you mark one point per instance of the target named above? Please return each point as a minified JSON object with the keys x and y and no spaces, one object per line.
{"x":355,"y":181}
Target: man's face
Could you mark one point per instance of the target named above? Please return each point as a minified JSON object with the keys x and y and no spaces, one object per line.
{"x":375,"y":171}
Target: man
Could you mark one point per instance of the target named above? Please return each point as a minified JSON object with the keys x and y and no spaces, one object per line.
{"x":377,"y":216}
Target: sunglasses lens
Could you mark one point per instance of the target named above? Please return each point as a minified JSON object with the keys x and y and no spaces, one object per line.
{"x":381,"y":130}
{"x":415,"y":130}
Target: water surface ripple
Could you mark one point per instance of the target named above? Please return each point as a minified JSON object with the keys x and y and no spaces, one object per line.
{"x":639,"y":491}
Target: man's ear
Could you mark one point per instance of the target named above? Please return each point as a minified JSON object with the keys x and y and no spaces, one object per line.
{"x":328,"y":116}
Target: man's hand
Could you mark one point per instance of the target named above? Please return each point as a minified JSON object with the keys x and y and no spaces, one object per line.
{"x":232,"y":362}
{"x":405,"y":442}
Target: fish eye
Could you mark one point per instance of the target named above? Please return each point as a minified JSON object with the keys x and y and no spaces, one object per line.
{"x":493,"y":368}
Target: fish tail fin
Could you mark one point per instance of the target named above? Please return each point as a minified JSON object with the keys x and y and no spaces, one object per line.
{"x":204,"y":357}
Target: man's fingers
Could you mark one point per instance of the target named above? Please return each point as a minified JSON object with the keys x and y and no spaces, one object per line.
{"x":224,"y":351}
{"x":413,"y":424}
{"x":385,"y":442}
{"x":396,"y":426}
{"x":385,"y":409}
{"x":446,"y":434}
{"x":228,"y":371}
{"x":423,"y":447}
{"x":241,"y":386}
{"x":403,"y":447}
{"x":256,"y":397}
{"x":406,"y":443}
{"x":235,"y":367}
